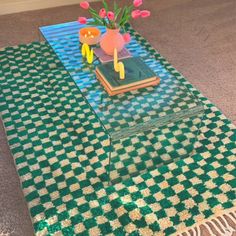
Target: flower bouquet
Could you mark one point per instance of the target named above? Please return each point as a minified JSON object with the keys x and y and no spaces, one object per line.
{"x":113,"y":20}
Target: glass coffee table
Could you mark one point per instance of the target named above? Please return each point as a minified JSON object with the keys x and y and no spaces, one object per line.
{"x":147,"y":127}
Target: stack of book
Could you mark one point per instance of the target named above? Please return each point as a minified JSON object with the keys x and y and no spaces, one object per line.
{"x":137,"y":75}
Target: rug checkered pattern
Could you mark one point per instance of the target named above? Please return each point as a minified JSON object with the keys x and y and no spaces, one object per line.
{"x":60,"y":152}
{"x":169,"y":103}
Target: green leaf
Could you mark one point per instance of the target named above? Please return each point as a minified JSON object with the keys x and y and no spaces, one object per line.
{"x":105,"y":5}
{"x":117,"y":13}
{"x":126,"y":15}
{"x":115,"y":6}
{"x":97,"y":17}
{"x":124,"y":19}
{"x":122,"y":16}
{"x":92,"y":10}
{"x":95,"y":23}
{"x":94,"y":14}
{"x":130,"y":8}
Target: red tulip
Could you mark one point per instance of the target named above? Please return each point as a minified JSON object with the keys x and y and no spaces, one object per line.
{"x":102,"y":13}
{"x":110,"y":15}
{"x":84,"y":5}
{"x":82,"y":20}
{"x":145,"y":13}
{"x":136,"y":14}
{"x":137,"y":3}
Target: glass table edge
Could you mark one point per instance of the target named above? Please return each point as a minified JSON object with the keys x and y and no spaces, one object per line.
{"x":154,"y":123}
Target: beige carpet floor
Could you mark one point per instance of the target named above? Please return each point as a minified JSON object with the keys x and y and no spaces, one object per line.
{"x":197,"y":37}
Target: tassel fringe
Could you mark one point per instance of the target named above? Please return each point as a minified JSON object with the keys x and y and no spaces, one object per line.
{"x":220,"y":225}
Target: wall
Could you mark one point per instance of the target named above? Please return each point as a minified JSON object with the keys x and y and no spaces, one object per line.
{"x":12,"y":6}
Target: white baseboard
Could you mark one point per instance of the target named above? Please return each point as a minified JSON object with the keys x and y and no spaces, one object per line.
{"x":13,"y":6}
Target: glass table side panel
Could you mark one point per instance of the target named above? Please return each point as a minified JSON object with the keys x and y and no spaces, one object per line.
{"x":117,"y":113}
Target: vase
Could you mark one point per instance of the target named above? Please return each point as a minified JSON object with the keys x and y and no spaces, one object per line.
{"x":112,"y":39}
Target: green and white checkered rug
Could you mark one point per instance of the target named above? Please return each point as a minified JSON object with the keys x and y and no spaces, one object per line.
{"x":62,"y":168}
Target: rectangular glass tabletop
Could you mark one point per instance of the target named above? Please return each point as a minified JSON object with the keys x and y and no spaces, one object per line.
{"x":132,"y":112}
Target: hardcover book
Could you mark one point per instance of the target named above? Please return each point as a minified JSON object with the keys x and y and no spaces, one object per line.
{"x":137,"y":75}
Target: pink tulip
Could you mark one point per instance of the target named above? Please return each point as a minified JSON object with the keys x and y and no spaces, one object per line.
{"x":145,"y":13}
{"x":110,"y":15}
{"x":102,"y":13}
{"x":137,"y":3}
{"x":84,"y":5}
{"x":136,"y":14}
{"x":127,"y":37}
{"x":82,"y":20}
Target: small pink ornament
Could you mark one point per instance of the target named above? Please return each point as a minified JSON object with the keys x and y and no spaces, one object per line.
{"x":127,"y":37}
{"x":135,"y":14}
{"x":145,"y":13}
{"x":82,"y":20}
{"x":110,"y":15}
{"x":137,"y":3}
{"x":84,"y":5}
{"x":102,"y":13}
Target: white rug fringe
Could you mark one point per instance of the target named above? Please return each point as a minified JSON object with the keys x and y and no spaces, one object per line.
{"x":218,"y":225}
